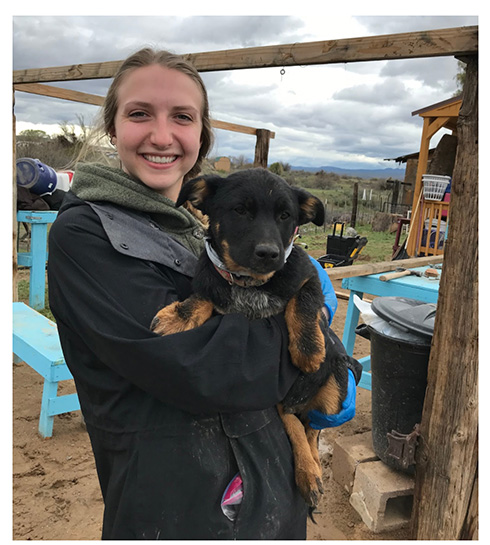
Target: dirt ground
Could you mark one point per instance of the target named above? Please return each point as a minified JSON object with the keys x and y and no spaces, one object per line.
{"x":55,"y":490}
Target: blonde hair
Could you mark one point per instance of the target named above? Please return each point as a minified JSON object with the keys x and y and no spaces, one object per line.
{"x":147,"y":57}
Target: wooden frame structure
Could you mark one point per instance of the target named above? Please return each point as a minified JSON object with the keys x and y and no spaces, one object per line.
{"x":446,"y":491}
{"x":436,"y":117}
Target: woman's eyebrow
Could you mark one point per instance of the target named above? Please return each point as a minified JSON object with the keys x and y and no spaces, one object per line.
{"x":137,"y":103}
{"x":185,"y":107}
{"x":143,"y":104}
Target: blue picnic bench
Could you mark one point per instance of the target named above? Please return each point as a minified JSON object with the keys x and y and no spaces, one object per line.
{"x":36,"y":342}
{"x":35,"y":259}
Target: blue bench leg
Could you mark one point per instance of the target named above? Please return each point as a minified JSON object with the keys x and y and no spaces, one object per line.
{"x":365,"y":381}
{"x":37,"y":282}
{"x":351,"y":320}
{"x":50,"y":390}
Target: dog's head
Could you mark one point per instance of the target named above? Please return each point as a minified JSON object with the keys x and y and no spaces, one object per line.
{"x":253,"y":217}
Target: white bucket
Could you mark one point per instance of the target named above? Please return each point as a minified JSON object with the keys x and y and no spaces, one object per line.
{"x":64,"y":179}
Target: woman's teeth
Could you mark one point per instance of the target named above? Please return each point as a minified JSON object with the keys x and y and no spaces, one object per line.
{"x":159,"y":159}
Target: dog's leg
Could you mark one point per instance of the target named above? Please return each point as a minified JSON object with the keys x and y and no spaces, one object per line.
{"x":307,"y":471}
{"x":312,"y":437}
{"x":306,"y":340}
{"x":329,"y":398}
{"x":182,"y":316}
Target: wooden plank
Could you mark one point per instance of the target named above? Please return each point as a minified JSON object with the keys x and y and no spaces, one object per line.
{"x":97,"y":70}
{"x":408,"y":45}
{"x":237,"y":128}
{"x":383,"y":266}
{"x":58,"y":92}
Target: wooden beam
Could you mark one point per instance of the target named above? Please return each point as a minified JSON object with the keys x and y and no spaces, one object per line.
{"x":335,"y":273}
{"x":447,"y":42}
{"x":446,"y":479}
{"x":237,"y":128}
{"x":436,"y":124}
{"x":58,"y":92}
{"x":411,"y":245}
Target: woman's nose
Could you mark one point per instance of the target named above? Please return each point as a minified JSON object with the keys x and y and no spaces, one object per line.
{"x":161,"y":133}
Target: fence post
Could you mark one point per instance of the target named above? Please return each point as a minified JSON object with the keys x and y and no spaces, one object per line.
{"x":355,"y":194}
{"x":15,"y":234}
{"x":262,"y":148}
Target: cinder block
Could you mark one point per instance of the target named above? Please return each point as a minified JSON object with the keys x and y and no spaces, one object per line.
{"x":348,"y":452}
{"x":382,"y":496}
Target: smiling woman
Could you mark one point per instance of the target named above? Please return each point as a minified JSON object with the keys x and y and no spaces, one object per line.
{"x":165,"y":413}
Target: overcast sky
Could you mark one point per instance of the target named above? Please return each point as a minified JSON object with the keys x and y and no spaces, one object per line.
{"x":350,"y":116}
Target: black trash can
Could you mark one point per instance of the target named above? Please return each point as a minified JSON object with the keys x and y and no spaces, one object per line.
{"x":399,"y":362}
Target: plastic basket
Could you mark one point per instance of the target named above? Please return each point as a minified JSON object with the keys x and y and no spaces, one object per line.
{"x":435,"y":186}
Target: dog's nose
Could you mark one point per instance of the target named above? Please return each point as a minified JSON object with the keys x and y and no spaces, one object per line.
{"x":267,"y":251}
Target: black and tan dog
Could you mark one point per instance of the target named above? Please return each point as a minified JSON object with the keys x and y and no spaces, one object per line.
{"x":251,"y":266}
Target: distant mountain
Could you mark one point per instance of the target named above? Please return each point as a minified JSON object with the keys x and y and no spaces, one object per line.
{"x":384,"y":173}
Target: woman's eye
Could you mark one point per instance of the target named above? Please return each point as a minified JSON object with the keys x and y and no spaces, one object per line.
{"x":184,"y":117}
{"x":137,"y":114}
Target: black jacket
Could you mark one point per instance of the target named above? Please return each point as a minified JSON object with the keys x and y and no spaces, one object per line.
{"x":171,"y":419}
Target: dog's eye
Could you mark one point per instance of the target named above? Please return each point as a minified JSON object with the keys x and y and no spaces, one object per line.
{"x":240,"y":209}
{"x":284,"y":215}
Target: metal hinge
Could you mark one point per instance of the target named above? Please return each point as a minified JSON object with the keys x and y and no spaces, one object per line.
{"x":402,"y":446}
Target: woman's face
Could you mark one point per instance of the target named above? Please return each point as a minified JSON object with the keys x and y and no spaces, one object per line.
{"x":157,"y":127}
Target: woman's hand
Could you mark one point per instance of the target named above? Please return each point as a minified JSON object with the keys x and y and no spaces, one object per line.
{"x":319,"y":420}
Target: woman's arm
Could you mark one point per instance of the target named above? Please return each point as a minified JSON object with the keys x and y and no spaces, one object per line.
{"x":108,"y":300}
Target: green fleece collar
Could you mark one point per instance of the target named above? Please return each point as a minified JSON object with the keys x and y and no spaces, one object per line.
{"x":96,"y":182}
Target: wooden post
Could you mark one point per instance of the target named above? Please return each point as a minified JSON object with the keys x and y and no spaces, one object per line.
{"x":262,"y":148}
{"x":355,"y":193}
{"x":394,"y":196}
{"x":15,"y":234}
{"x":446,"y":481}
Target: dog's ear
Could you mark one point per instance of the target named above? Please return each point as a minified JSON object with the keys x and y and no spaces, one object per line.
{"x":198,"y":191}
{"x":310,"y":207}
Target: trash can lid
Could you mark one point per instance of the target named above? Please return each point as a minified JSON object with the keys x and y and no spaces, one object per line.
{"x":410,"y":314}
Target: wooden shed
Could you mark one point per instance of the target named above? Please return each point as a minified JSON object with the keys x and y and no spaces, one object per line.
{"x":430,"y":215}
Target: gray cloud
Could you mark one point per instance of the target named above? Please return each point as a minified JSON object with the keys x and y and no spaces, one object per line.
{"x":367,"y":120}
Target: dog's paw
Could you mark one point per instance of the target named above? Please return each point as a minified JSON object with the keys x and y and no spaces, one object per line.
{"x":310,"y":485}
{"x":168,"y":321}
{"x":183,"y":316}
